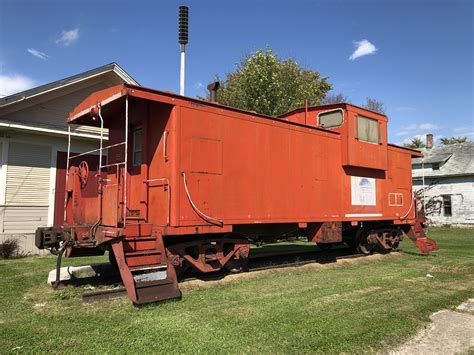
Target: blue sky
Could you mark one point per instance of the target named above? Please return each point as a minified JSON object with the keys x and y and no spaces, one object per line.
{"x":421,"y":65}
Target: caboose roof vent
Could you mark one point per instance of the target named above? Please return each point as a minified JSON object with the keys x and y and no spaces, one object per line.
{"x":213,"y":87}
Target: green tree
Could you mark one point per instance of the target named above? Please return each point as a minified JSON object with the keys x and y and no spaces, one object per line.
{"x":453,"y":140}
{"x":374,"y":105}
{"x":415,"y":143}
{"x":264,"y":83}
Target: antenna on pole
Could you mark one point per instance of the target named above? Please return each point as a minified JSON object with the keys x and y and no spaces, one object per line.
{"x":183,"y":40}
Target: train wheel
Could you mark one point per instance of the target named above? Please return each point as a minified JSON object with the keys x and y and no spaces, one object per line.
{"x":388,"y":240}
{"x":177,"y":262}
{"x":364,"y":244}
{"x":238,"y":262}
{"x":395,"y":245}
{"x":234,"y":266}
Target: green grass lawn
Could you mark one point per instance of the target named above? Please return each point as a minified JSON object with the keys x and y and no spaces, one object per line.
{"x":361,"y":306}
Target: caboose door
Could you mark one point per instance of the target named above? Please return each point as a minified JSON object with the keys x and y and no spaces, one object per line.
{"x":111,"y":211}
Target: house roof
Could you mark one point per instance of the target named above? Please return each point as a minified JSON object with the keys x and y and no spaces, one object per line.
{"x":454,"y":160}
{"x":55,"y":85}
{"x":436,"y":157}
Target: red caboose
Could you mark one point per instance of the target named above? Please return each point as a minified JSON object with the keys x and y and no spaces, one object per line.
{"x":189,"y":184}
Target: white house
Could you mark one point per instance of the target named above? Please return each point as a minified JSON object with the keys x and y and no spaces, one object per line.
{"x":33,"y":146}
{"x":446,"y":174}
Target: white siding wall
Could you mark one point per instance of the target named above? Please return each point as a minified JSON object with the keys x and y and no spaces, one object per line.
{"x":27,"y":187}
{"x":28,"y":174}
{"x":24,"y":219}
{"x":461,"y":190}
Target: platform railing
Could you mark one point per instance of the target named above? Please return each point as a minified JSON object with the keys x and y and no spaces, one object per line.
{"x":101,"y":166}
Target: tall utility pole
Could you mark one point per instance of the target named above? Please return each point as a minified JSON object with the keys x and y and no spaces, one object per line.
{"x":183,"y":40}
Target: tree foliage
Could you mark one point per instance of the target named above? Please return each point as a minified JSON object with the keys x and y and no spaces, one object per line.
{"x":262,"y":82}
{"x":374,"y":105}
{"x":335,"y":99}
{"x":415,"y":143}
{"x":453,"y":140}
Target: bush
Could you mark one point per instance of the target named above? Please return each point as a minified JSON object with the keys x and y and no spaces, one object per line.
{"x":10,"y":249}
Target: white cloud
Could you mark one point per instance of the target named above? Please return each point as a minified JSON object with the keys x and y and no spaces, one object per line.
{"x":11,"y":84}
{"x":363,"y":47}
{"x":402,"y":133}
{"x":428,"y":126}
{"x":412,"y":128}
{"x":68,"y":37}
{"x":463,"y":129}
{"x":38,"y":54}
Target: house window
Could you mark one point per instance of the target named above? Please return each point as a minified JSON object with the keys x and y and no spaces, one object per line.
{"x":367,"y":129}
{"x":137,"y":146}
{"x":330,"y":119}
{"x":447,"y":211}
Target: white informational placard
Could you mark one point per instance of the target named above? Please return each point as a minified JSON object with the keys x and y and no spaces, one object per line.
{"x":363,"y":191}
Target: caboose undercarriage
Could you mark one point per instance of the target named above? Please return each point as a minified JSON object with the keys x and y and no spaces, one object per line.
{"x":149,"y":263}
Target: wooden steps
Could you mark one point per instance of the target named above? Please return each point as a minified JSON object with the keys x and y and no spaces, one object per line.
{"x":144,"y":267}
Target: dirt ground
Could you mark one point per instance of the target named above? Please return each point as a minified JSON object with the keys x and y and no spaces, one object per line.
{"x":197,"y":283}
{"x":451,"y":332}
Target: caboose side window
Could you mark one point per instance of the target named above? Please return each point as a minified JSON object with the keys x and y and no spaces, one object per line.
{"x":367,"y":129}
{"x":330,"y":119}
{"x":137,"y":146}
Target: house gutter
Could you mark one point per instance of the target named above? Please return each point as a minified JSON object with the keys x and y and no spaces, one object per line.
{"x":47,"y":130}
{"x":441,"y":176}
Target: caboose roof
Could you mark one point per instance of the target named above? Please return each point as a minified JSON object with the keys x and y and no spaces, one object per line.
{"x":81,"y":114}
{"x":343,"y":105}
{"x":346,"y":106}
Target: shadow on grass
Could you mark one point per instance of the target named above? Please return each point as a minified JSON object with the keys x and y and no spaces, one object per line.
{"x":105,"y":275}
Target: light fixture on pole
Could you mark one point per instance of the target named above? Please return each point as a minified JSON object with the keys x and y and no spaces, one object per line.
{"x":183,"y":40}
